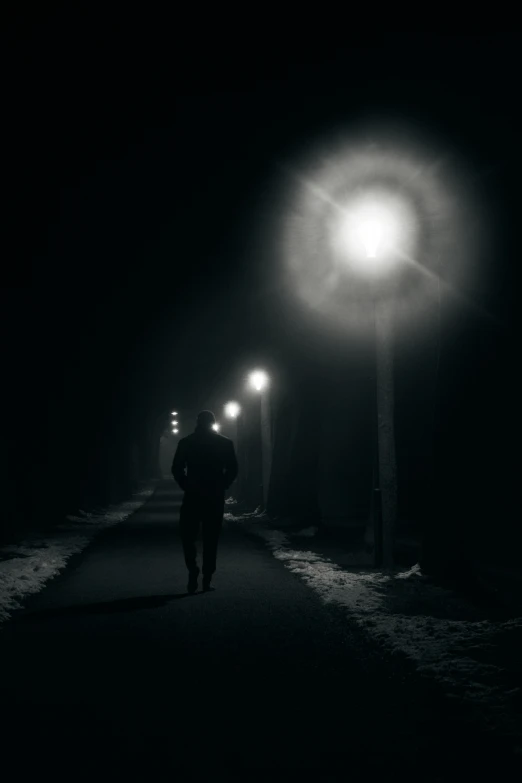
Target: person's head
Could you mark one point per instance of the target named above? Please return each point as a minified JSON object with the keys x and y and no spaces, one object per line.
{"x":205,"y":420}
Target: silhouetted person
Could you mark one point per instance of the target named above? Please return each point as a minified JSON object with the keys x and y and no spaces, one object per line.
{"x":204,"y":466}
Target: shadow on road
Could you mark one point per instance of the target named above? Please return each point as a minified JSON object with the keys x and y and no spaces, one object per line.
{"x":106,"y":607}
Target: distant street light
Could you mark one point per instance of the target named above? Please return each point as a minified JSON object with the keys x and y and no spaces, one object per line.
{"x":174,"y":413}
{"x":260,"y":382}
{"x":232,"y":410}
{"x":216,"y":427}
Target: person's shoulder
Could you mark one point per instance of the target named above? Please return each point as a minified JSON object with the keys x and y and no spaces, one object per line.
{"x":185,"y":440}
{"x":223,"y":438}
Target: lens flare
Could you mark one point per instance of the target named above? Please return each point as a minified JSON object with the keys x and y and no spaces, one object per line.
{"x":386,"y":208}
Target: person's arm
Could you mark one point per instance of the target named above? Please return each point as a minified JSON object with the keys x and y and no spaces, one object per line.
{"x":178,"y":466}
{"x":231,"y":467}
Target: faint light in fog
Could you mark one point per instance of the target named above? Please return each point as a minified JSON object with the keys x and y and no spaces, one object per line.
{"x":174,"y":413}
{"x":258,"y":380}
{"x":175,"y":432}
{"x":216,"y":427}
{"x":232,"y":410}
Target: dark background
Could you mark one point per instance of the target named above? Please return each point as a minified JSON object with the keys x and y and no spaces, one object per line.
{"x":140,"y":159}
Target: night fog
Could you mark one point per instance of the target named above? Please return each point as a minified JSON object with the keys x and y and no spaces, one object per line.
{"x":323,"y":577}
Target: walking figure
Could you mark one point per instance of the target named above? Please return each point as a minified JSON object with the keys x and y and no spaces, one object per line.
{"x":204,"y":466}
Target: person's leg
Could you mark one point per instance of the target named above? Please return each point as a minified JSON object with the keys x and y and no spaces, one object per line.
{"x":189,"y":524}
{"x":212,"y":522}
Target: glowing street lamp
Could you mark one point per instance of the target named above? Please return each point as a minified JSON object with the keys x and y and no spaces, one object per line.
{"x":175,"y":423}
{"x":371,"y":233}
{"x":259,"y":381}
{"x":216,"y":427}
{"x":232,"y":410}
{"x":379,"y":196}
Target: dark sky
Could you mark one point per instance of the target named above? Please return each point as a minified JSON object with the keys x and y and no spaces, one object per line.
{"x":141,"y":155}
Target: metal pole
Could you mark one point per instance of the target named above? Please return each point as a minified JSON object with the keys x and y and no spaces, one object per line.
{"x":242,"y":458}
{"x":387,"y":464}
{"x":376,"y":488}
{"x":234,"y":432}
{"x":377,"y":524}
{"x":266,"y":443}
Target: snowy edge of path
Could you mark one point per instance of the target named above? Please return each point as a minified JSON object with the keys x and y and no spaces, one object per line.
{"x":26,"y":567}
{"x":406,"y":613}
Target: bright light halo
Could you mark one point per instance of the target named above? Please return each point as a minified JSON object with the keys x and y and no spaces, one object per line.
{"x":258,"y":380}
{"x":232,"y":410}
{"x":370,"y":230}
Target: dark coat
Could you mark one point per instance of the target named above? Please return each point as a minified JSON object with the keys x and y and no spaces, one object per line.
{"x":205,"y":463}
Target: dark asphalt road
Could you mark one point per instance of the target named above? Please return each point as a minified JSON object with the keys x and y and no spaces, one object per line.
{"x":113,"y":670}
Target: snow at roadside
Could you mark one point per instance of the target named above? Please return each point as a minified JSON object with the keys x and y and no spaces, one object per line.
{"x":27,"y":566}
{"x":474,"y":658}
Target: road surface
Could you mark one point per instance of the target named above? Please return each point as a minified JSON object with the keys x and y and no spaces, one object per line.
{"x":114,"y":670}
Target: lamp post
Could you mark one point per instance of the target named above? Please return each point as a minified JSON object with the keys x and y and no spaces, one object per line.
{"x":259,"y":381}
{"x":375,"y":229}
{"x":232,"y":412}
{"x":385,"y":462}
{"x":384,"y":188}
